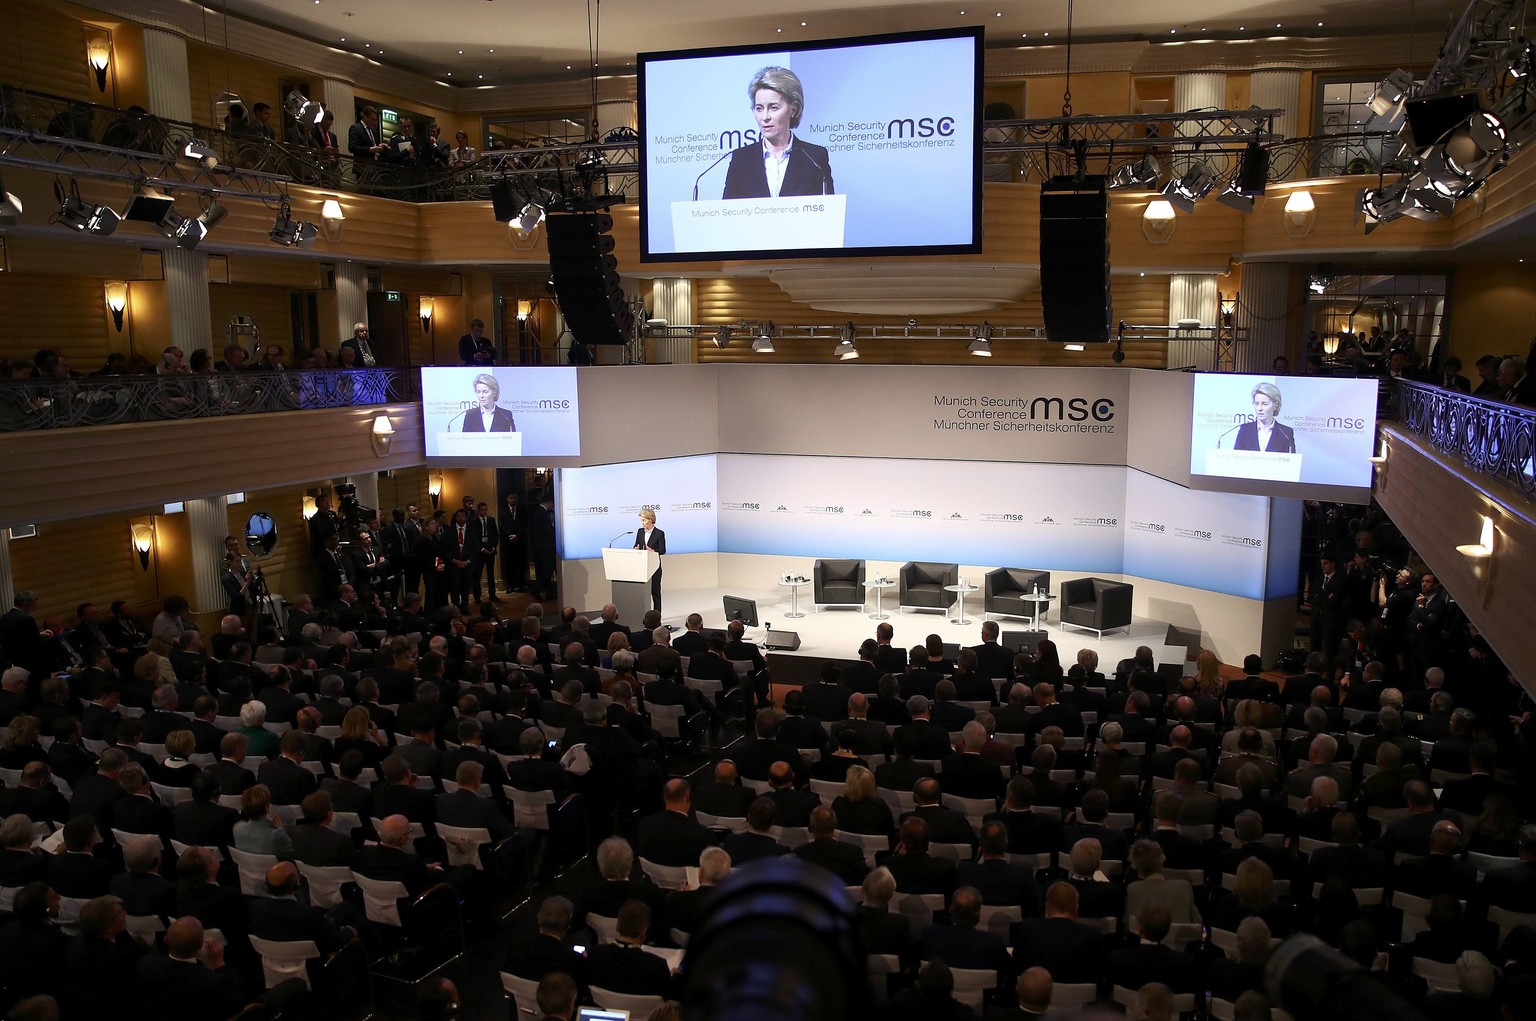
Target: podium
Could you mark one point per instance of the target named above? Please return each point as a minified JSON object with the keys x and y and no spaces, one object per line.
{"x":629,"y":572}
{"x":764,"y":224}
{"x":456,"y":444}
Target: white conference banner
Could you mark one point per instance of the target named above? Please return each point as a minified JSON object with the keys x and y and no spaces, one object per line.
{"x":600,"y":506}
{"x":1212,"y":541}
{"x":1081,"y":518}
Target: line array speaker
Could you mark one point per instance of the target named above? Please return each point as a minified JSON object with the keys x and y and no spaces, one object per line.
{"x":1074,"y":259}
{"x":586,"y":277}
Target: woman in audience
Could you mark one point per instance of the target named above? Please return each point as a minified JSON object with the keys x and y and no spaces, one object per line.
{"x":257,"y":833}
{"x":1497,"y":830}
{"x":1152,"y":887}
{"x":177,"y":769}
{"x":22,"y":746}
{"x":1248,"y":713}
{"x":1251,"y":896}
{"x":1121,"y":790}
{"x":170,"y":623}
{"x":859,"y":809}
{"x":1232,"y":977}
{"x":1047,"y":664}
{"x":616,"y":642}
{"x":360,"y":732}
{"x":937,"y":663}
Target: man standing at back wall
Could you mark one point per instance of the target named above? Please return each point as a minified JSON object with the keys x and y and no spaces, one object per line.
{"x":514,"y":544}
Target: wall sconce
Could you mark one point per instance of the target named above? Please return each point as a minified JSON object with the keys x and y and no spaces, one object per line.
{"x":1331,"y":344}
{"x":1484,"y":547}
{"x":435,"y":488}
{"x":117,"y":302}
{"x":426,"y":313}
{"x":331,"y":218}
{"x":383,"y":434}
{"x":309,"y":507}
{"x":524,"y":310}
{"x":98,"y":55}
{"x":1157,"y":222}
{"x":1300,"y":214}
{"x":142,"y":538}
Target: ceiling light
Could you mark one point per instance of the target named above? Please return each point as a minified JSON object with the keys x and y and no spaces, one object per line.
{"x":302,"y":109}
{"x":1391,"y":92}
{"x":290,"y":232}
{"x":981,"y":345}
{"x":200,"y":152}
{"x":529,"y":218}
{"x":148,"y":205}
{"x":846,"y":350}
{"x":763,"y":345}
{"x":722,"y":337}
{"x":10,"y":207}
{"x":1195,"y":184}
{"x":77,"y":214}
{"x":1073,"y":347}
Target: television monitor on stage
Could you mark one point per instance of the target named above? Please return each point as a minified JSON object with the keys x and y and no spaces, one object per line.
{"x":740,"y":608}
{"x":851,"y":147}
{"x":1297,"y":436}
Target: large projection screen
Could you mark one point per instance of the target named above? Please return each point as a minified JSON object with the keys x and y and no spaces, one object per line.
{"x":884,"y":156}
{"x":499,"y":415}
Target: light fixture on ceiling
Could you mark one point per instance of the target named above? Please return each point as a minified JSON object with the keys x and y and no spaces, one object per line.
{"x":1158,"y":221}
{"x":1144,"y":173}
{"x":763,"y":345}
{"x":148,"y":204}
{"x":332,"y":218}
{"x":847,"y":350}
{"x":1233,"y":197}
{"x":722,"y":337}
{"x":117,"y":302}
{"x":309,"y":509}
{"x":1467,"y":156}
{"x":201,"y":153}
{"x":981,"y":344}
{"x":10,"y":207}
{"x":290,"y":232}
{"x":79,"y":215}
{"x":1190,"y":187}
{"x":529,"y":217}
{"x":1386,"y":102}
{"x":192,"y":232}
{"x":98,"y":55}
{"x":1300,"y":213}
{"x":302,"y":109}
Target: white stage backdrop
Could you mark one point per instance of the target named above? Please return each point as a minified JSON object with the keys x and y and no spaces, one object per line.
{"x":1078,"y":518}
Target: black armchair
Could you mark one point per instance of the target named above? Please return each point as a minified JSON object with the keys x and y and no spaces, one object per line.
{"x":1096,"y":604}
{"x":922,"y":585}
{"x":1003,"y":591}
{"x":838,"y":583}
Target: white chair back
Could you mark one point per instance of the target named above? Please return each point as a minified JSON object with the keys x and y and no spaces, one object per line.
{"x":523,"y":992}
{"x":637,"y":1006}
{"x":281,"y":961}
{"x":530,"y":809}
{"x":606,"y":928}
{"x":145,"y":928}
{"x":380,"y":900}
{"x":253,"y":871}
{"x":325,"y":883}
{"x":463,"y":843}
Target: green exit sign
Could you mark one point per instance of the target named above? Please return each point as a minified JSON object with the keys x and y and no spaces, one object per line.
{"x":391,"y":295}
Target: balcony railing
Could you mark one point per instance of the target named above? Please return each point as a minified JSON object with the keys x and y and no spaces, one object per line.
{"x":1489,"y":437}
{"x":104,"y":400}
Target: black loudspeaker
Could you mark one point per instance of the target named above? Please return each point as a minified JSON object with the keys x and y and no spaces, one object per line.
{"x":1432,"y":118}
{"x":781,"y":641}
{"x":586,"y":277}
{"x":504,"y":201}
{"x":1074,"y":259}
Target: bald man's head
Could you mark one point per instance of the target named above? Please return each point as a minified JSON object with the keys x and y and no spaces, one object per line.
{"x":282,"y":879}
{"x":394,"y":831}
{"x":184,"y":937}
{"x":1034,"y":990}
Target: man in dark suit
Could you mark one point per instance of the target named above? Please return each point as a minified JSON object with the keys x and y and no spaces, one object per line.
{"x":1097,"y":895}
{"x":314,"y":841}
{"x":281,"y":917}
{"x":607,"y":626}
{"x":888,"y":707}
{"x":827,"y":699}
{"x":138,"y":811}
{"x":863,"y":675}
{"x":1151,"y":961}
{"x":1466,"y":795}
{"x":1058,"y":942}
{"x":622,"y":966}
{"x":884,"y":931}
{"x":285,"y":776}
{"x":486,"y":545}
{"x":513,"y":524}
{"x":922,"y":738}
{"x":999,"y":882}
{"x":202,"y":821}
{"x":467,"y":809}
{"x":725,"y":797}
{"x":843,"y":860}
{"x":793,"y":807}
{"x":967,"y":774}
{"x":918,"y":679}
{"x":914,"y":869}
{"x":672,"y":836}
{"x":458,"y":551}
{"x":541,"y":528}
{"x":1027,"y":831}
{"x":191,"y":979}
{"x":536,"y":954}
{"x":754,"y":760}
{"x":756,"y":842}
{"x":233,"y":776}
{"x":388,"y":861}
{"x":399,"y":795}
{"x":1090,"y":822}
{"x":888,"y":658}
{"x":960,"y":944}
{"x":992,"y":660}
{"x":945,"y":825}
{"x":1361,"y":867}
{"x":869,"y":736}
{"x":1514,"y":888}
{"x":1438,"y":872}
{"x":20,"y":636}
{"x":77,"y":871}
{"x":690,"y":641}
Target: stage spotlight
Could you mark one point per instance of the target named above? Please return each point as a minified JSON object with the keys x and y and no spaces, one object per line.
{"x":172,"y":223}
{"x":1194,"y":185}
{"x":722,"y":337}
{"x":763,"y":345}
{"x":290,"y":232}
{"x":77,"y":214}
{"x":529,"y":218}
{"x":10,"y":207}
{"x":201,"y":153}
{"x":1253,"y":170}
{"x":847,"y":350}
{"x":981,"y":346}
{"x":1387,"y":101}
{"x":302,"y":109}
{"x":1233,"y":197}
{"x":148,"y":205}
{"x":1144,"y":173}
{"x":1469,"y":155}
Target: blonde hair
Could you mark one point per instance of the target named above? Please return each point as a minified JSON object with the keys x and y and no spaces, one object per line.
{"x":354,"y":725}
{"x":859,"y":784}
{"x":1207,"y":670}
{"x":647,"y":514}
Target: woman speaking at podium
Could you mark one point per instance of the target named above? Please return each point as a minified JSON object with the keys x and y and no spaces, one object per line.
{"x":648,"y":536}
{"x":778,"y":164}
{"x":485,"y":416}
{"x":1264,"y":433}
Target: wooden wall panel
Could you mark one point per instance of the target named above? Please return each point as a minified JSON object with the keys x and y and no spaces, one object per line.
{"x":288,"y":570}
{"x":44,"y":51}
{"x":266,"y":305}
{"x":68,"y":314}
{"x":85,"y":560}
{"x":212,"y":69}
{"x":102,"y":468}
{"x":405,"y":485}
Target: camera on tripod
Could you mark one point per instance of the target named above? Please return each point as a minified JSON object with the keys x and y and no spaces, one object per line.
{"x":354,"y":516}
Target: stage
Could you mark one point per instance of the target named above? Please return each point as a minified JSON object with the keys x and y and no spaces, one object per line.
{"x":835,"y":633}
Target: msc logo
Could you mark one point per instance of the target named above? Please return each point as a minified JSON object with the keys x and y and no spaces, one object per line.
{"x":921,"y":127}
{"x":549,"y":404}
{"x":781,"y":507}
{"x":1011,"y":517}
{"x":750,"y":506}
{"x":696,"y":505}
{"x":1153,"y":526}
{"x":1245,"y":540}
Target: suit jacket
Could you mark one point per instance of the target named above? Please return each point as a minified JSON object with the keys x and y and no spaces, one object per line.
{"x":289,"y":782}
{"x":1512,"y":888}
{"x":205,"y":824}
{"x":870,"y":737}
{"x":923,"y":739}
{"x":1134,"y":967}
{"x":993,"y":660}
{"x":749,"y":846}
{"x":653,"y":657}
{"x":360,"y":139}
{"x":826,"y":702}
{"x":1065,"y":948}
{"x":885,"y":932}
{"x":628,"y":969}
{"x":794,"y":807}
{"x":141,"y":813}
{"x":392,"y":865}
{"x":398,"y":799}
{"x":501,"y":422}
{"x":145,"y":893}
{"x":1282,"y":439}
{"x":890,"y":660}
{"x":534,"y":955}
{"x":463,"y":808}
{"x":860,"y":676}
{"x":966,"y":948}
{"x":843,"y":860}
{"x":1029,"y":832}
{"x":971,"y":776}
{"x":1001,"y":883}
{"x":729,"y":801}
{"x":671,"y":838}
{"x":185,"y":990}
{"x":921,"y":872}
{"x":1436,"y":874}
{"x":321,"y":846}
{"x":78,"y":875}
{"x":945,"y":825}
{"x":1175,"y":894}
{"x":287,"y":920}
{"x":809,"y":172}
{"x":658,"y":540}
